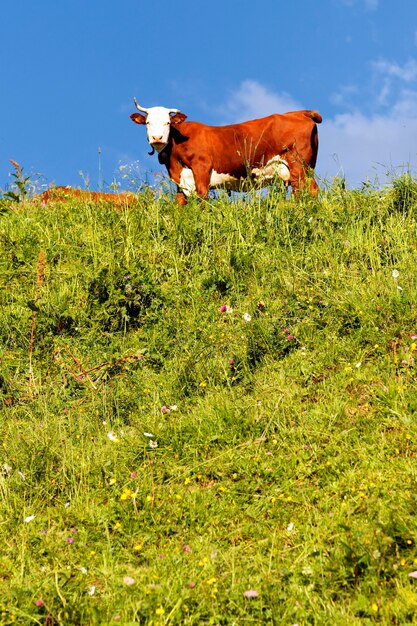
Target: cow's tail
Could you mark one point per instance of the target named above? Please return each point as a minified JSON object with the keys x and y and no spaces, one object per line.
{"x":315,"y":116}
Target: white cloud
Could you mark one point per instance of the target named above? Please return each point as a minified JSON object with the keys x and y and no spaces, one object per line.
{"x":360,"y":147}
{"x":251,"y":100}
{"x":406,"y":73}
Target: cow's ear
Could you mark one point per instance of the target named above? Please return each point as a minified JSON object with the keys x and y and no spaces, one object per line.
{"x":178,"y":118}
{"x":138,"y":118}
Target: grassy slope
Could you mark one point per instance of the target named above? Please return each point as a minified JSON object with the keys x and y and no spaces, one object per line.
{"x":287,"y":463}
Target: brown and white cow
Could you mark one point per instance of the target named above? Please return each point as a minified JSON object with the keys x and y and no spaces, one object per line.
{"x":199,"y":157}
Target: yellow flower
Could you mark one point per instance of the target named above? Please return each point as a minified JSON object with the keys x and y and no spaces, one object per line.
{"x":211,"y":581}
{"x":374,"y":607}
{"x":126,"y":494}
{"x":187,"y":481}
{"x":159,"y":611}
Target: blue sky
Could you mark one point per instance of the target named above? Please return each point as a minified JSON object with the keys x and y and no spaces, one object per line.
{"x":70,"y":70}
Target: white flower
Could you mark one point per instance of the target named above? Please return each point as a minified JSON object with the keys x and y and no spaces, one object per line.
{"x":173,"y":407}
{"x":399,"y":288}
{"x":149,"y":435}
{"x":29,"y":518}
{"x":153,"y":444}
{"x":247,"y":317}
{"x":395,"y":273}
{"x":92,"y":590}
{"x":83,"y":570}
{"x":290,"y":527}
{"x":67,"y":504}
{"x":7,"y":468}
{"x":358,"y":365}
{"x":229,"y":309}
{"x":112,"y":436}
{"x":22,"y":476}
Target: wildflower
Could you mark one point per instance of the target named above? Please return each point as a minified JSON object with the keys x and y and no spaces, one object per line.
{"x":112,"y":436}
{"x":186,"y":548}
{"x":290,"y":337}
{"x":290,"y":527}
{"x":247,"y":317}
{"x":29,"y":518}
{"x":116,"y":618}
{"x":70,"y":540}
{"x":117,"y":526}
{"x":150,"y":435}
{"x":159,"y":611}
{"x":22,"y":476}
{"x":173,"y":407}
{"x":191,"y":584}
{"x":413,"y":574}
{"x":211,"y":581}
{"x":92,"y":590}
{"x":165,"y":409}
{"x":83,"y":570}
{"x":395,"y":274}
{"x":250,"y":593}
{"x":126,"y":494}
{"x":128,"y":580}
{"x":358,"y":365}
{"x":39,"y":602}
{"x":153,"y":444}
{"x":133,"y":475}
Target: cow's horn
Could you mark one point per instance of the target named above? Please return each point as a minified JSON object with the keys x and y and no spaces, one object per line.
{"x":139,"y":108}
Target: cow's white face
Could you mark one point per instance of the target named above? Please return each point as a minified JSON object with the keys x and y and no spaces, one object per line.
{"x":158,"y":125}
{"x":158,"y":122}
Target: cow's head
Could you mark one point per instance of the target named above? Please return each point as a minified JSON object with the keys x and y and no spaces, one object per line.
{"x":158,"y":122}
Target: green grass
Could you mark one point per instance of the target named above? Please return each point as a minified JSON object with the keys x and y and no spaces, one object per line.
{"x":268,"y":348}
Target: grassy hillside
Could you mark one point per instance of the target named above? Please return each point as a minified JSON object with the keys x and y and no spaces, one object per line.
{"x":208,"y":412}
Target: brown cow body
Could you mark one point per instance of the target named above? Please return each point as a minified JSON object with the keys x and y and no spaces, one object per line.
{"x":199,"y":157}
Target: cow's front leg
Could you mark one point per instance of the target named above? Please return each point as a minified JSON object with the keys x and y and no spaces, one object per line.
{"x":180,"y":198}
{"x":202,"y":181}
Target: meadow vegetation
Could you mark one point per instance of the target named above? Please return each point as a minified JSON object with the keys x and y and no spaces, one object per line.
{"x":208,"y":412}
